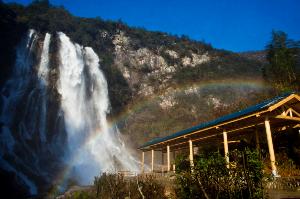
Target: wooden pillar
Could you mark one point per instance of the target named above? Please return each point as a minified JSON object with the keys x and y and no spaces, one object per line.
{"x":162,"y":161}
{"x":143,"y":161}
{"x":257,"y":140}
{"x":152,"y":160}
{"x":168,"y":159}
{"x":174,"y":158}
{"x":191,"y":154}
{"x":226,"y":148}
{"x":270,"y":146}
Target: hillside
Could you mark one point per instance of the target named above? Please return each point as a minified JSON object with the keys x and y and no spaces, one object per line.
{"x":260,"y":56}
{"x":141,"y":64}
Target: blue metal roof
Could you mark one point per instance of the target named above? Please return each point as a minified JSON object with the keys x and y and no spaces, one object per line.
{"x":251,"y":109}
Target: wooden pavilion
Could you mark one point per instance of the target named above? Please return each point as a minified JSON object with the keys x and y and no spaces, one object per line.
{"x":278,"y":114}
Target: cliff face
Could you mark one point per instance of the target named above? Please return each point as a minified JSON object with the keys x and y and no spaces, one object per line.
{"x":181,"y":83}
{"x":150,"y":70}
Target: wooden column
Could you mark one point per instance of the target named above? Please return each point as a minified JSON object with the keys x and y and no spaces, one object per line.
{"x":226,"y":148}
{"x":257,"y":140}
{"x":152,"y":160}
{"x":168,"y":159}
{"x":162,"y":162}
{"x":143,"y":161}
{"x":174,"y":158}
{"x":191,"y":154}
{"x":270,"y":146}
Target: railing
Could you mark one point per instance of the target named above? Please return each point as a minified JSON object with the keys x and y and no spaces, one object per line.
{"x":128,"y":173}
{"x":284,"y":183}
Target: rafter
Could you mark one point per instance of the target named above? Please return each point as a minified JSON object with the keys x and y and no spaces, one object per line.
{"x":288,"y":118}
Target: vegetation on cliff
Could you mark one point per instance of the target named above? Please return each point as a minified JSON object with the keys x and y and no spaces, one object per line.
{"x":283,"y":56}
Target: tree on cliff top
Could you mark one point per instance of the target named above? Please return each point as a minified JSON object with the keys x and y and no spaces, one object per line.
{"x":282,"y":54}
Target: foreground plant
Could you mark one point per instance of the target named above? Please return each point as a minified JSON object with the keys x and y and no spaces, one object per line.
{"x":137,"y":187}
{"x":210,"y":178}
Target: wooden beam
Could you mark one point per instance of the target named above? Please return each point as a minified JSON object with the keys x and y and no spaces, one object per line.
{"x":174,"y":158}
{"x":296,"y":126}
{"x":195,"y":139}
{"x":168,"y":158}
{"x":257,"y":140}
{"x":270,"y":146}
{"x":217,"y":134}
{"x":234,"y":141}
{"x":297,"y":119}
{"x":212,"y":127}
{"x":152,"y":160}
{"x":143,"y":161}
{"x":245,"y":127}
{"x":289,"y":112}
{"x":282,"y":102}
{"x":226,"y":148}
{"x":191,"y":155}
{"x":293,"y":111}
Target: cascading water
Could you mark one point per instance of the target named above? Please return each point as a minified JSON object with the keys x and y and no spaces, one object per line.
{"x":43,"y":74}
{"x":12,"y":93}
{"x":50,"y":123}
{"x":94,"y":147}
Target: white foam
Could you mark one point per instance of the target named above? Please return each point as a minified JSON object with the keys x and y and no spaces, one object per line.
{"x":94,"y":146}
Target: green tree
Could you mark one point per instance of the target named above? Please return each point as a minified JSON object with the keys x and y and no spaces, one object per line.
{"x":282,"y":56}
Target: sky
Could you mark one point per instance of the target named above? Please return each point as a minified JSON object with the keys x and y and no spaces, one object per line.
{"x":236,"y":25}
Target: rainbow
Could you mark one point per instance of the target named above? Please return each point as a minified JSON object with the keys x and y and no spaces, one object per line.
{"x":139,"y":104}
{"x":61,"y":180}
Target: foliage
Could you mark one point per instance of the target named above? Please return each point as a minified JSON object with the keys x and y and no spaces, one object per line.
{"x":223,"y":65}
{"x":149,"y":120}
{"x":118,"y":186}
{"x":282,"y":54}
{"x":81,"y":195}
{"x":210,"y":178}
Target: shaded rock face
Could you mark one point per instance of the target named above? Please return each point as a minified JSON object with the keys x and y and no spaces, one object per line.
{"x":53,"y":117}
{"x":28,"y":142}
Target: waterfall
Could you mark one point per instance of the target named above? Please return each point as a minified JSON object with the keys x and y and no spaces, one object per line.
{"x":57,"y":123}
{"x":43,"y":73}
{"x":12,"y":94}
{"x":94,"y":146}
{"x":15,"y":87}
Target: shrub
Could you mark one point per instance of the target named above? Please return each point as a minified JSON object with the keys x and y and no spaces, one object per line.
{"x":118,"y":186}
{"x":210,"y":178}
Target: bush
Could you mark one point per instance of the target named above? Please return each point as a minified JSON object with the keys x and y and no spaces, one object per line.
{"x":119,"y":186}
{"x":210,"y":178}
